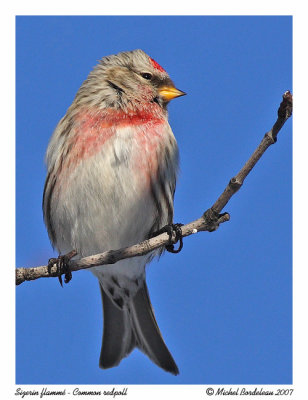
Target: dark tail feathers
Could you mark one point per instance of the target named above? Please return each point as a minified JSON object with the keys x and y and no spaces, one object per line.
{"x":133,"y":326}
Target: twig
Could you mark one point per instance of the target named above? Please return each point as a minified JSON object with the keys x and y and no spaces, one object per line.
{"x":210,"y":220}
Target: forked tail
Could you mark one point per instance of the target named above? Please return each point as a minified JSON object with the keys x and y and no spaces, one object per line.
{"x":133,"y":326}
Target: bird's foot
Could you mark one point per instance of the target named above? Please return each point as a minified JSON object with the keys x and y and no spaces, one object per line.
{"x":62,"y":263}
{"x":170,"y":229}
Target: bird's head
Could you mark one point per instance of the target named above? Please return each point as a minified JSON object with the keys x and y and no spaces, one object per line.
{"x":127,"y":80}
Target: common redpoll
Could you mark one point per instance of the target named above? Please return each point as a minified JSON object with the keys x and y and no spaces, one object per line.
{"x":112,"y":164}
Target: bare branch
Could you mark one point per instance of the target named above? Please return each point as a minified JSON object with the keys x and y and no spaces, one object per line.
{"x":210,"y":220}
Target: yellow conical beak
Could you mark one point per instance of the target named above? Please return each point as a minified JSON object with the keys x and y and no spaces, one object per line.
{"x":170,"y":92}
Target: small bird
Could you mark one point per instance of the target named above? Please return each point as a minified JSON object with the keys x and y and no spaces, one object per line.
{"x":112,"y":164}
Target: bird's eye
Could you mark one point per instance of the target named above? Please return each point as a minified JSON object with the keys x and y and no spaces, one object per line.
{"x":146,"y":75}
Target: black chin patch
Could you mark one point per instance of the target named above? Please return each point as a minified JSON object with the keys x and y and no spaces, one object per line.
{"x":160,"y":102}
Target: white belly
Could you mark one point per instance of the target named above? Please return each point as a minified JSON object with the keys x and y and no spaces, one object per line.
{"x":106,"y":203}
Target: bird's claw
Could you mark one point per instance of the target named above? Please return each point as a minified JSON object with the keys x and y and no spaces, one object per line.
{"x":170,"y":229}
{"x":62,"y":264}
{"x":178,"y":237}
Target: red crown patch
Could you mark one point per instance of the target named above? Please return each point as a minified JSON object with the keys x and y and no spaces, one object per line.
{"x":156,"y":65}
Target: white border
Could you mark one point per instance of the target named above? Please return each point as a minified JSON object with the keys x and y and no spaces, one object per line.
{"x":300,"y":167}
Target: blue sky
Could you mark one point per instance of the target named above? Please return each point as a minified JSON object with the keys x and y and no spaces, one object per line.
{"x":224,"y":304}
